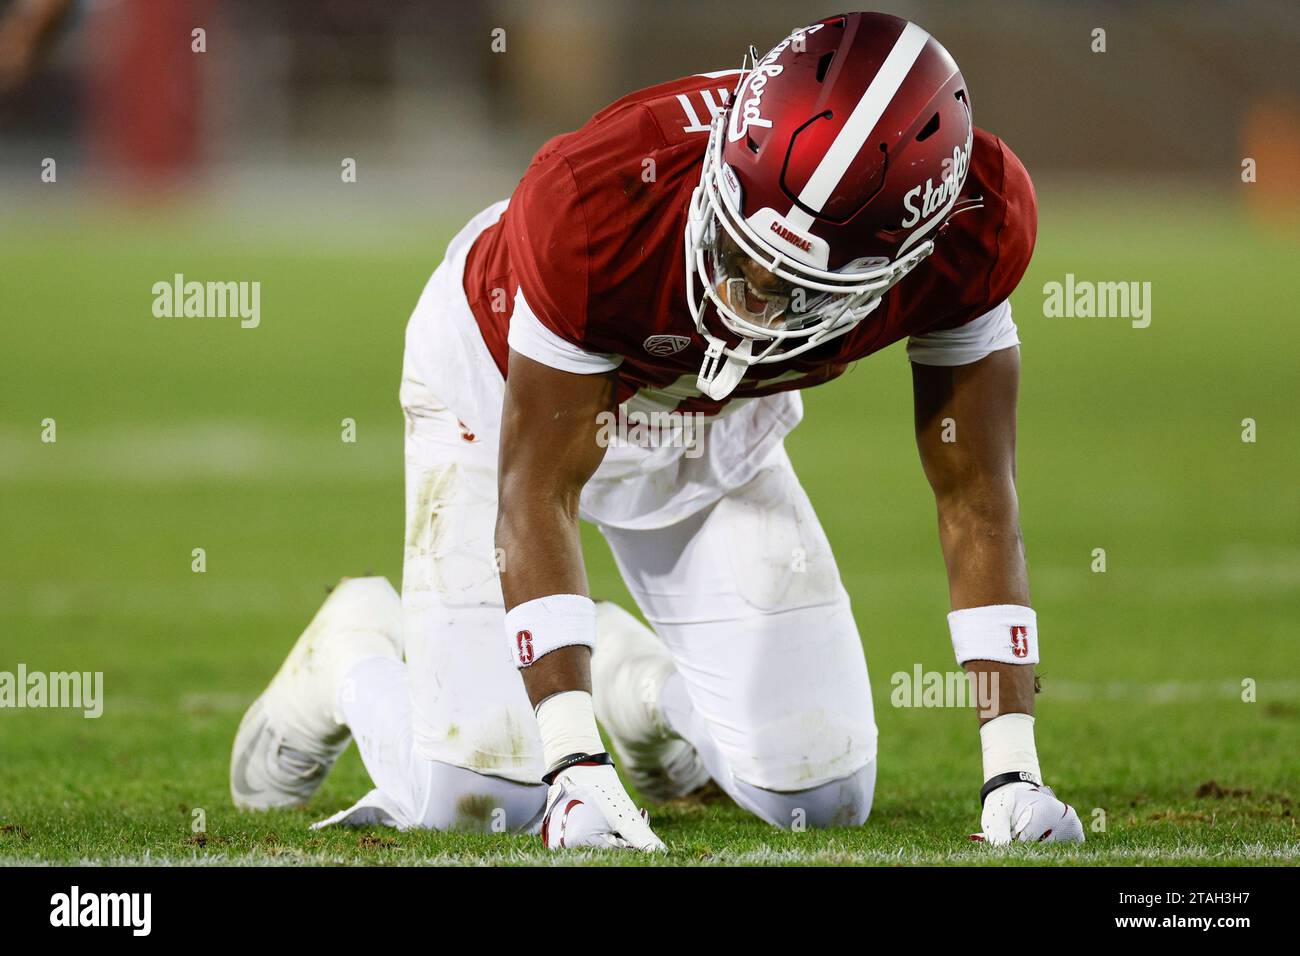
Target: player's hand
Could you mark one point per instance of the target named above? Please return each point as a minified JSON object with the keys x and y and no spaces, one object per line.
{"x":1030,"y":813}
{"x":588,"y":807}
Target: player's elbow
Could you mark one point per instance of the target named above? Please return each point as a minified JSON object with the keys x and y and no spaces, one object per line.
{"x":528,"y":507}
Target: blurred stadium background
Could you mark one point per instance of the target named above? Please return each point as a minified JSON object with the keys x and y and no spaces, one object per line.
{"x":179,"y":434}
{"x":439,"y":121}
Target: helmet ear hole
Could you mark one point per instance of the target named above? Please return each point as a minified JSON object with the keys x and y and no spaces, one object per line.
{"x":824,"y":65}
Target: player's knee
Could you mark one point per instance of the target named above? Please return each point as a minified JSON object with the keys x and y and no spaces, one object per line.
{"x":844,"y":802}
{"x":828,"y":740}
{"x":458,"y":799}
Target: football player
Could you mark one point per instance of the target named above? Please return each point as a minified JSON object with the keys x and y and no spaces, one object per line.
{"x":711,"y":245}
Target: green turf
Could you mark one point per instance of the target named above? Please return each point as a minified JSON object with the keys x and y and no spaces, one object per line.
{"x":177,"y":434}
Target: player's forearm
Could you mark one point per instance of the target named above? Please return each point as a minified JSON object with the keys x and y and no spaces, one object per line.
{"x":985,"y":557}
{"x":548,"y":452}
{"x":541,"y":555}
{"x":539,"y":546}
{"x":983,"y":550}
{"x":549,"y":449}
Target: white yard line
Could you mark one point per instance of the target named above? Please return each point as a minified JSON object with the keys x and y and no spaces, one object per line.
{"x":1169,"y":691}
{"x":211,"y":450}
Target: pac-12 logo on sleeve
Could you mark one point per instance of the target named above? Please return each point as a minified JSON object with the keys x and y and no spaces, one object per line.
{"x":524,"y":642}
{"x":1019,"y":640}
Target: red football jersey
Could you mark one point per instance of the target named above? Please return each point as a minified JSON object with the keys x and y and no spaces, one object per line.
{"x":594,"y":236}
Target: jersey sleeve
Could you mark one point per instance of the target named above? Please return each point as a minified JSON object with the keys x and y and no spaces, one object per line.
{"x":529,"y":336}
{"x":1018,"y":231}
{"x":994,"y":247}
{"x":981,"y":337}
{"x":548,"y":237}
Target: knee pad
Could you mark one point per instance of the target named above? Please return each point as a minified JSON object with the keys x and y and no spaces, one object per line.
{"x":454,"y":798}
{"x":786,"y":563}
{"x":811,"y":743}
{"x":845,"y":802}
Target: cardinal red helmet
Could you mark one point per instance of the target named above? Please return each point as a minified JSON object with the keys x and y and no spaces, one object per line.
{"x":841,"y":153}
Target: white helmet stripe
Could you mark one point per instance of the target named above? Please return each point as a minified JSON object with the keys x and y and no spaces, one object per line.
{"x":860,"y":123}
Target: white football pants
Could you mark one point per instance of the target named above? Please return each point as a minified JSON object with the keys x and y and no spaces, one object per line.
{"x":771,"y":684}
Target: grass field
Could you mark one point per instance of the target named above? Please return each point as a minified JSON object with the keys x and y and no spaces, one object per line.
{"x":179,"y":434}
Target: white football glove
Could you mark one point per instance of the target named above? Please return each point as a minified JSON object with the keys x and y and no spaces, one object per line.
{"x":1028,"y":812}
{"x":588,"y":807}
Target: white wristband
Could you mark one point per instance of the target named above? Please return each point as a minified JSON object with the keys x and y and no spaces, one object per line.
{"x":1006,"y":633}
{"x":537,"y":627}
{"x":1008,"y":745}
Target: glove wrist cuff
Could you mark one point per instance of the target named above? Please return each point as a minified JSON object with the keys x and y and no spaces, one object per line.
{"x":1002,"y":779}
{"x":601,"y":759}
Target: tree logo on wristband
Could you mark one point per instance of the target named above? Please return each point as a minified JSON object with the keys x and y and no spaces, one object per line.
{"x":524,"y":642}
{"x":1019,"y":640}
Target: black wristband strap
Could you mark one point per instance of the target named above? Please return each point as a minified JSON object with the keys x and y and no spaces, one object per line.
{"x":601,"y":759}
{"x":1002,"y":779}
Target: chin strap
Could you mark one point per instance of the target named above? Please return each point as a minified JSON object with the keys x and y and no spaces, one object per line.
{"x":720,"y":374}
